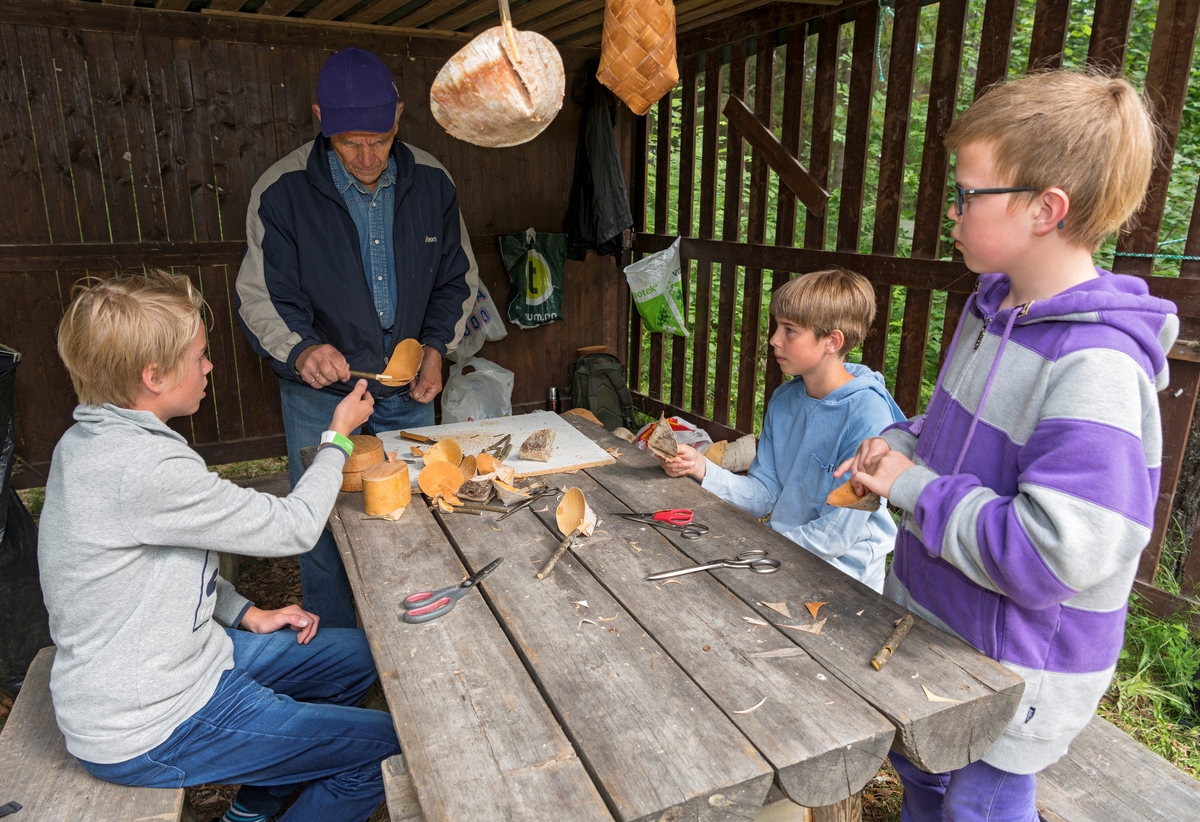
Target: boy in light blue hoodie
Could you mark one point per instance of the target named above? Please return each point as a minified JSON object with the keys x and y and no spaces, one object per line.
{"x":813,"y":423}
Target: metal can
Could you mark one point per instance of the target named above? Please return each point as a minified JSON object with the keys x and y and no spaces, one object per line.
{"x":552,"y":399}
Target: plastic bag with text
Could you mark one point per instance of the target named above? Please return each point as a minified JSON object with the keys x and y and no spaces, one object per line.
{"x":483,"y":323}
{"x":656,"y":283}
{"x":535,"y":264}
{"x":478,"y":389}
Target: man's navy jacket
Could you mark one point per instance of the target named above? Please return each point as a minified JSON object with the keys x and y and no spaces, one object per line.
{"x":302,"y":281}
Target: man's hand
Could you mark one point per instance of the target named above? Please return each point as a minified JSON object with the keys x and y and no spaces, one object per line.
{"x":429,"y":378}
{"x":865,"y":459}
{"x":689,"y":463}
{"x":353,"y":410}
{"x":293,"y":616}
{"x":322,"y":365}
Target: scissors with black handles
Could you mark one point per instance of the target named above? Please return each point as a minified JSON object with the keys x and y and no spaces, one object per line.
{"x":429,"y":605}
{"x":754,"y":559}
{"x":672,"y":519}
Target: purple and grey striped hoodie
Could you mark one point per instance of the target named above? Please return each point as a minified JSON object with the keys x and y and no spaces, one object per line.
{"x":1037,"y":471}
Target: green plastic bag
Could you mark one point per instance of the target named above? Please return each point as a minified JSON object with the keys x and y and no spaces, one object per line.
{"x":535,"y":265}
{"x":656,"y":283}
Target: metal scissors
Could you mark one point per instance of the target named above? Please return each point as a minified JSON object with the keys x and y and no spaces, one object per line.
{"x":534,"y":496}
{"x":672,"y":519}
{"x":429,"y":605}
{"x":755,"y":559}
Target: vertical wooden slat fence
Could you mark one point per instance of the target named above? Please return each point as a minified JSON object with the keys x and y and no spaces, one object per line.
{"x":864,"y":158}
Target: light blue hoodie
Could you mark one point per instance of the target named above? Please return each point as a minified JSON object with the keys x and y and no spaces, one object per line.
{"x":803,"y":442}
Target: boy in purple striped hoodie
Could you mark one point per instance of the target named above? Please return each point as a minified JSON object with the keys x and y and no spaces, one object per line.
{"x":1028,"y":486}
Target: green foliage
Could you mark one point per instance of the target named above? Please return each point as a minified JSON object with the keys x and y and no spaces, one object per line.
{"x":250,"y":468}
{"x":1177,"y":214}
{"x":33,"y":499}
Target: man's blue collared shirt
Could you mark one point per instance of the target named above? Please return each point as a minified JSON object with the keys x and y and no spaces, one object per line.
{"x":373,"y":214}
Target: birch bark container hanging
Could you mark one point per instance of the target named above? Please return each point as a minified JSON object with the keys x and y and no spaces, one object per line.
{"x":637,"y":51}
{"x":501,"y":89}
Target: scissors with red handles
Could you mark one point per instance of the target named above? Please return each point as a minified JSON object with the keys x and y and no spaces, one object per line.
{"x":673,"y":519}
{"x":429,"y":605}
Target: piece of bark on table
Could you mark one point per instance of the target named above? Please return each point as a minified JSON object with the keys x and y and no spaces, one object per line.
{"x":538,"y":446}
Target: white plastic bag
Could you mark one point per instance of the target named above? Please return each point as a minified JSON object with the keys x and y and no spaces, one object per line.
{"x":478,"y":389}
{"x":656,"y":283}
{"x":483,"y":323}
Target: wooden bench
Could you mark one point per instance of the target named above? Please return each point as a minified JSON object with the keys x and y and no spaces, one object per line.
{"x":1108,"y":776}
{"x":37,"y":772}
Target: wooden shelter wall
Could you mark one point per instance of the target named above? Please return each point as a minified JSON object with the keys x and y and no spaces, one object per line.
{"x":132,"y":137}
{"x":819,"y":79}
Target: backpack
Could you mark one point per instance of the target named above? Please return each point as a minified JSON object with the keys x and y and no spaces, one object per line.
{"x":598,"y":384}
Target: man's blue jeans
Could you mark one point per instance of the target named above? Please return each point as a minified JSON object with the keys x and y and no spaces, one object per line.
{"x":306,"y":414}
{"x":254,"y":732}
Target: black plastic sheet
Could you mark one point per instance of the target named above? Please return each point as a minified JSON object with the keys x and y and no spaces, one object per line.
{"x":24,"y":624}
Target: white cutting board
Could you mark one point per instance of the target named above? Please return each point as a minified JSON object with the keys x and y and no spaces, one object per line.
{"x":572,"y":450}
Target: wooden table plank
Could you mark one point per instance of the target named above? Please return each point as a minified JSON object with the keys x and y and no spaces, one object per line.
{"x":656,"y":745}
{"x":823,"y":740}
{"x":478,"y":739}
{"x":937,"y":736}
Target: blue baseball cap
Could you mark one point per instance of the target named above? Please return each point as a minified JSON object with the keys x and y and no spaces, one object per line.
{"x":356,"y":93}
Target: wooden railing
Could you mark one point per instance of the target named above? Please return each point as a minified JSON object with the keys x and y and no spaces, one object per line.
{"x":829,"y":62}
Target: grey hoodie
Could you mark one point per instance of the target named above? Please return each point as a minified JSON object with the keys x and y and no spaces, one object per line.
{"x":127,"y":549}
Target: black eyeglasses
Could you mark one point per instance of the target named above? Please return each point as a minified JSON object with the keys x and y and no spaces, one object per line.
{"x":961,"y":194}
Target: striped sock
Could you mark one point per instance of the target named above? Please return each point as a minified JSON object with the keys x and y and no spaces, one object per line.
{"x":237,"y":813}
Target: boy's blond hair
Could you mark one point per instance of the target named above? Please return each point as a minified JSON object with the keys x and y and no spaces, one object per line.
{"x":115,"y":328}
{"x":823,"y":301}
{"x":1085,"y":133}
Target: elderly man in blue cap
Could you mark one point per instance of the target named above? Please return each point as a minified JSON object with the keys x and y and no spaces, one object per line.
{"x":354,"y":242}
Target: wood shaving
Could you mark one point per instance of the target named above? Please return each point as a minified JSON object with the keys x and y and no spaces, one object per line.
{"x":860,"y":613}
{"x":814,"y":628}
{"x":582,"y":602}
{"x":672,"y":582}
{"x":932,"y":697}
{"x":588,"y":621}
{"x":813,"y":607}
{"x":756,"y":621}
{"x":779,"y":653}
{"x":607,"y":619}
{"x":780,"y":607}
{"x":755,"y":708}
{"x":635,"y":547}
{"x":615,"y":452}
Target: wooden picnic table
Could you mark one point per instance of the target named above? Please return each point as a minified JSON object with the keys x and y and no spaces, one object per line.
{"x":624,"y":699}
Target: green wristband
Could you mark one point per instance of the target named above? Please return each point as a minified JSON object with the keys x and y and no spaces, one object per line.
{"x":344,"y":443}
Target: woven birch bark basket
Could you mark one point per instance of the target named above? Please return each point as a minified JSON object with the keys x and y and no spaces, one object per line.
{"x":637,"y":51}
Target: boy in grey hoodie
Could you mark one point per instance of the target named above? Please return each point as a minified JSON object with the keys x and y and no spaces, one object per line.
{"x":152,"y":683}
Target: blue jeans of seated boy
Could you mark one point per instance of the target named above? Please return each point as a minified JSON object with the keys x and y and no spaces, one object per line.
{"x":977,"y":792}
{"x":306,"y":414}
{"x":255,"y":732}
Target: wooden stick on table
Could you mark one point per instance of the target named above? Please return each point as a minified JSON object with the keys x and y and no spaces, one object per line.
{"x":557,"y":555}
{"x":903,"y":626}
